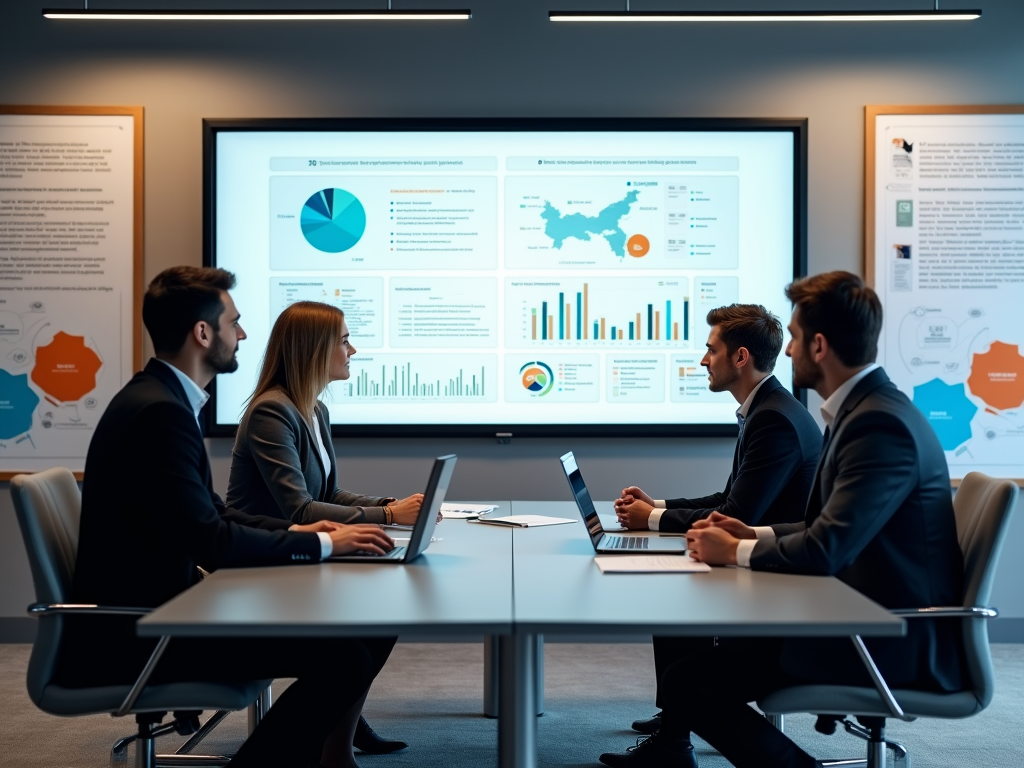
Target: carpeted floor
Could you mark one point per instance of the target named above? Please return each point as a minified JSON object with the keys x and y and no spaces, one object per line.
{"x":430,"y":695}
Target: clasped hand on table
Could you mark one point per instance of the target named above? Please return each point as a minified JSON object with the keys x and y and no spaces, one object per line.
{"x":714,"y":539}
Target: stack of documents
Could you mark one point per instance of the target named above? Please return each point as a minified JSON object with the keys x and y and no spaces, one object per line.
{"x":649,"y":564}
{"x":456,"y":511}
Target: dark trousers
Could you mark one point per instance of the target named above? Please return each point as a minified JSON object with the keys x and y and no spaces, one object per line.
{"x":708,"y":694}
{"x":332,"y":674}
{"x":669,"y":650}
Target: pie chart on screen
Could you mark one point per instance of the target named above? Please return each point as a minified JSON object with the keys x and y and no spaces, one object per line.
{"x":333,"y":220}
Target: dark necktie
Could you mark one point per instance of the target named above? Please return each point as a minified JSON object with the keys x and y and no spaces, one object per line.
{"x":740,"y":419}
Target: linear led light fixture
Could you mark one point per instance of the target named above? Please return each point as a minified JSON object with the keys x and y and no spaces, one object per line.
{"x":628,"y":15}
{"x":93,"y":14}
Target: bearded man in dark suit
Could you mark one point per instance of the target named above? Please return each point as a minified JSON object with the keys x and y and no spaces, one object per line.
{"x":150,"y":517}
{"x":879,"y":518}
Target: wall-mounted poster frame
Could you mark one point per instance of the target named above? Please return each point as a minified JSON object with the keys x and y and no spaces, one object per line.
{"x":71,"y":266}
{"x":944,"y":249}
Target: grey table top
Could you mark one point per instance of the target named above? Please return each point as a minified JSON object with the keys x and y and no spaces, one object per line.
{"x":558,"y":588}
{"x":483,"y":579}
{"x":462,"y":584}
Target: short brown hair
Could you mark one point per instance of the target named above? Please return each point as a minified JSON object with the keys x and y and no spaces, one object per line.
{"x":844,"y":310}
{"x":751,"y":326}
{"x":298,"y":356}
{"x":180,"y":297}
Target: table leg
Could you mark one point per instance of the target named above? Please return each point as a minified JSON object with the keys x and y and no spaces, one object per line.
{"x":490,"y":675}
{"x":538,"y":684}
{"x":517,"y":726}
{"x":491,"y":686}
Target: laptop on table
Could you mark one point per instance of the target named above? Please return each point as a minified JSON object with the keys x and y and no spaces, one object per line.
{"x":605,"y":543}
{"x":419,"y":539}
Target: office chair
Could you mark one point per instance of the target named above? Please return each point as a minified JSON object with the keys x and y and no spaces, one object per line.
{"x":983,"y":506}
{"x":48,"y":505}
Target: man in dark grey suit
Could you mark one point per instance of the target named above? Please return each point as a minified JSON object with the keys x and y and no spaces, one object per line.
{"x":879,"y":517}
{"x":772,"y":467}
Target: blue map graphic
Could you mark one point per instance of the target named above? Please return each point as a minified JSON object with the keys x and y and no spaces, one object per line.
{"x":17,"y":402}
{"x":559,"y":227}
{"x":948,"y":411}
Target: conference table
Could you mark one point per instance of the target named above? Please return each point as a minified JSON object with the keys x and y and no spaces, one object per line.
{"x":514,"y":585}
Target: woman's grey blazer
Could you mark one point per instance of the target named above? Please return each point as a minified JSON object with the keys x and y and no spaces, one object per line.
{"x":276,"y":470}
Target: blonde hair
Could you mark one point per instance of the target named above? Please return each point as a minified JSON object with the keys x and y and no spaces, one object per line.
{"x":298,"y":356}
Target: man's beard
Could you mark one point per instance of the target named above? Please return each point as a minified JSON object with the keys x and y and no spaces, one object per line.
{"x":722,"y":383}
{"x":219,"y":359}
{"x":806,"y":375}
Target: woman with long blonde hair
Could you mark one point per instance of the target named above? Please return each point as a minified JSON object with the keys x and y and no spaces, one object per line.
{"x":283,"y":464}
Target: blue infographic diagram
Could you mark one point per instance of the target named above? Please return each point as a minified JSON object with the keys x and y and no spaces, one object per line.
{"x":948,"y":411}
{"x":17,"y":402}
{"x":333,"y":220}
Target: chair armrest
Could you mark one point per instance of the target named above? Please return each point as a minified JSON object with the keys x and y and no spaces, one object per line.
{"x":951,"y":612}
{"x":47,"y":609}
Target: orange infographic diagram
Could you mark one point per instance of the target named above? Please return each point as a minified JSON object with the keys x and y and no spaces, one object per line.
{"x":66,"y":369}
{"x":45,"y":382}
{"x":997,"y":376}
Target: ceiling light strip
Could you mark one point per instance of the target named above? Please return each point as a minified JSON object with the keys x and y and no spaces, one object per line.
{"x":199,"y":15}
{"x":762,"y":16}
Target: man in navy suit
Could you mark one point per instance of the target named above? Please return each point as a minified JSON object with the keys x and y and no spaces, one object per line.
{"x":150,"y":517}
{"x":879,"y":518}
{"x":773,"y":464}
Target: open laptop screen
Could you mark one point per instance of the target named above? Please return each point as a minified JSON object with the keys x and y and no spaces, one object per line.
{"x":582,"y":496}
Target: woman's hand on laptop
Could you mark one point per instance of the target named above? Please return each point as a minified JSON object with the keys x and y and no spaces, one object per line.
{"x":405,"y":511}
{"x":360,"y":538}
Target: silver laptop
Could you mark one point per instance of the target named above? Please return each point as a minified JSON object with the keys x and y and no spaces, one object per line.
{"x":419,"y":540}
{"x":605,"y":543}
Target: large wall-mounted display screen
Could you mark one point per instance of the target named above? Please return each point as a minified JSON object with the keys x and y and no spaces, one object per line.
{"x":524,"y":276}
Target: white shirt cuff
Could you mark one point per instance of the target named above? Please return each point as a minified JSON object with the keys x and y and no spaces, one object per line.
{"x":746,"y":547}
{"x":654,"y":520}
{"x":743,"y":550}
{"x":659,"y":503}
{"x":326,"y":545}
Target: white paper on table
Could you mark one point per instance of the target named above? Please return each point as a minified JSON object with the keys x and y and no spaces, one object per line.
{"x":649,"y":564}
{"x":526,"y":521}
{"x":465,"y":511}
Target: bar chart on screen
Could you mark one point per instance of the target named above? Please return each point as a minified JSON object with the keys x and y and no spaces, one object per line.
{"x":415,"y":378}
{"x":641,"y":312}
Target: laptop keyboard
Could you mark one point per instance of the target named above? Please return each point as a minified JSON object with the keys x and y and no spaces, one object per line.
{"x":625,"y":542}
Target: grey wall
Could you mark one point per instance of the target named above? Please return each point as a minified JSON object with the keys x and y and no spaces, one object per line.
{"x":510,"y":61}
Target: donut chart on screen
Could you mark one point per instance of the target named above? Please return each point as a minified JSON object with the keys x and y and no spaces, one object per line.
{"x":333,"y":220}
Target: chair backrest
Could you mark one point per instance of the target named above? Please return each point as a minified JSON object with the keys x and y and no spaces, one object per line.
{"x":49,"y":507}
{"x":983,"y":506}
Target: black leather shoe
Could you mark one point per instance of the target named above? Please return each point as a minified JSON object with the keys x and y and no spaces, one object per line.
{"x":654,"y":752}
{"x":648,"y":726}
{"x":369,"y":742}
